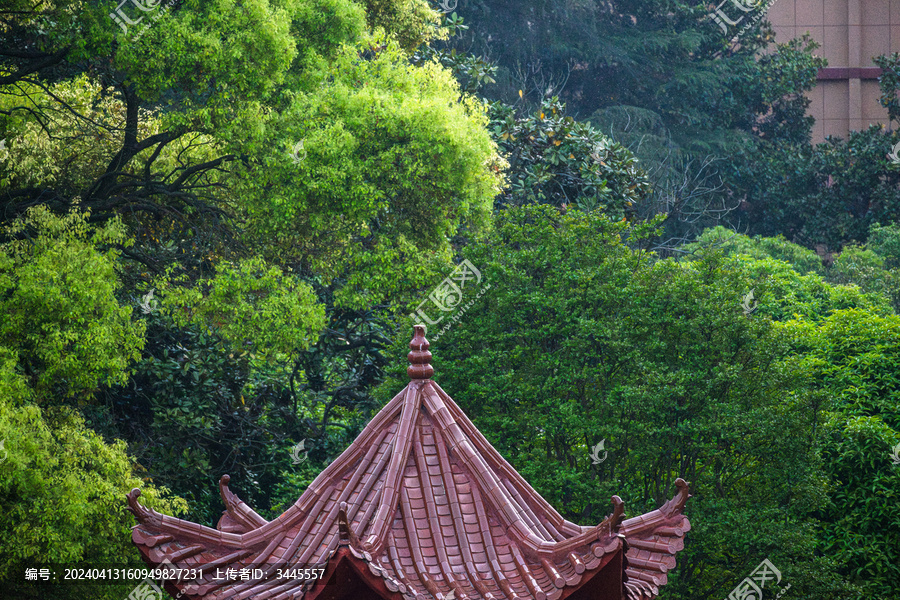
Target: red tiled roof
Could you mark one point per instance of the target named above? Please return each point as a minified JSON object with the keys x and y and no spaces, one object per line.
{"x":419,"y":506}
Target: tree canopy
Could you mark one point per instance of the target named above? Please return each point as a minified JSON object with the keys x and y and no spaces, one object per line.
{"x":217,"y":218}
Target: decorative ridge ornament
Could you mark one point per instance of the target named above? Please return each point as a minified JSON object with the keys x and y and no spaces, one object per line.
{"x":348,"y":537}
{"x":419,"y":357}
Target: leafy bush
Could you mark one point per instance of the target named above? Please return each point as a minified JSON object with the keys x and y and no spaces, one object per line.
{"x":801,"y":259}
{"x":853,"y":359}
{"x":62,"y":497}
{"x":58,"y":296}
{"x":557,"y":160}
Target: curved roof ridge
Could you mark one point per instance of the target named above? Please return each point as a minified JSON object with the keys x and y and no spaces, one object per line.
{"x":402,"y":444}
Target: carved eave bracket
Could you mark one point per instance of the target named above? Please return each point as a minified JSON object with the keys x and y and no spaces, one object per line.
{"x":144,"y":515}
{"x":675,"y":506}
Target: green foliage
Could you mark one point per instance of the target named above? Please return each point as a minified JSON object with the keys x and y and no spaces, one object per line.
{"x":826,"y":195}
{"x":582,"y":339}
{"x":889,"y":82}
{"x":292,"y":483}
{"x":787,"y":294}
{"x":62,"y":492}
{"x":72,"y":157}
{"x":858,"y":275}
{"x":252,"y":304}
{"x":271,"y":160}
{"x":192,"y":135}
{"x":197,"y":409}
{"x":866,"y":268}
{"x":62,"y":486}
{"x":830,"y":194}
{"x":471,"y":71}
{"x":392,"y":166}
{"x":885,"y":242}
{"x":774,"y":86}
{"x":778,"y":266}
{"x":246,"y":51}
{"x":845,"y":343}
{"x":854,"y":361}
{"x":557,"y":160}
{"x":801,"y":259}
{"x":411,"y":22}
{"x":696,"y":167}
{"x":295,"y":173}
{"x":54,"y":31}
{"x":340,"y":370}
{"x":58,"y":297}
{"x":668,"y":59}
{"x":697,"y":137}
{"x":188,"y":419}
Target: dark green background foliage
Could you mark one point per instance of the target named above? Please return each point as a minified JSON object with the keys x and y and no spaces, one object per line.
{"x":830,"y":194}
{"x":212,"y":237}
{"x":581,"y":338}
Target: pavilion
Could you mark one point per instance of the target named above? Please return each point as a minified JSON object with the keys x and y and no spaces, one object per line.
{"x":419,"y":506}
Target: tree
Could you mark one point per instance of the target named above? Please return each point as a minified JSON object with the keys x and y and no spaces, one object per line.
{"x":58,"y":291}
{"x":392,"y":167}
{"x":847,"y":358}
{"x":889,"y":82}
{"x":553,"y":158}
{"x":170,"y":127}
{"x":63,"y":333}
{"x":852,"y":358}
{"x":61,"y":496}
{"x":873,"y":267}
{"x":582,"y":339}
{"x":665,"y":59}
{"x":802,"y":260}
{"x":829,"y":195}
{"x":284,"y":168}
{"x":826,"y":195}
{"x":61,"y":492}
{"x":557,"y":160}
{"x":692,"y":103}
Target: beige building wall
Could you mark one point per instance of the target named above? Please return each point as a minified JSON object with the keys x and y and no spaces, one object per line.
{"x":850,"y":33}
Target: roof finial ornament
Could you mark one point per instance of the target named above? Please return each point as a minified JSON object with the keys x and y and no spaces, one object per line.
{"x":419,"y":357}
